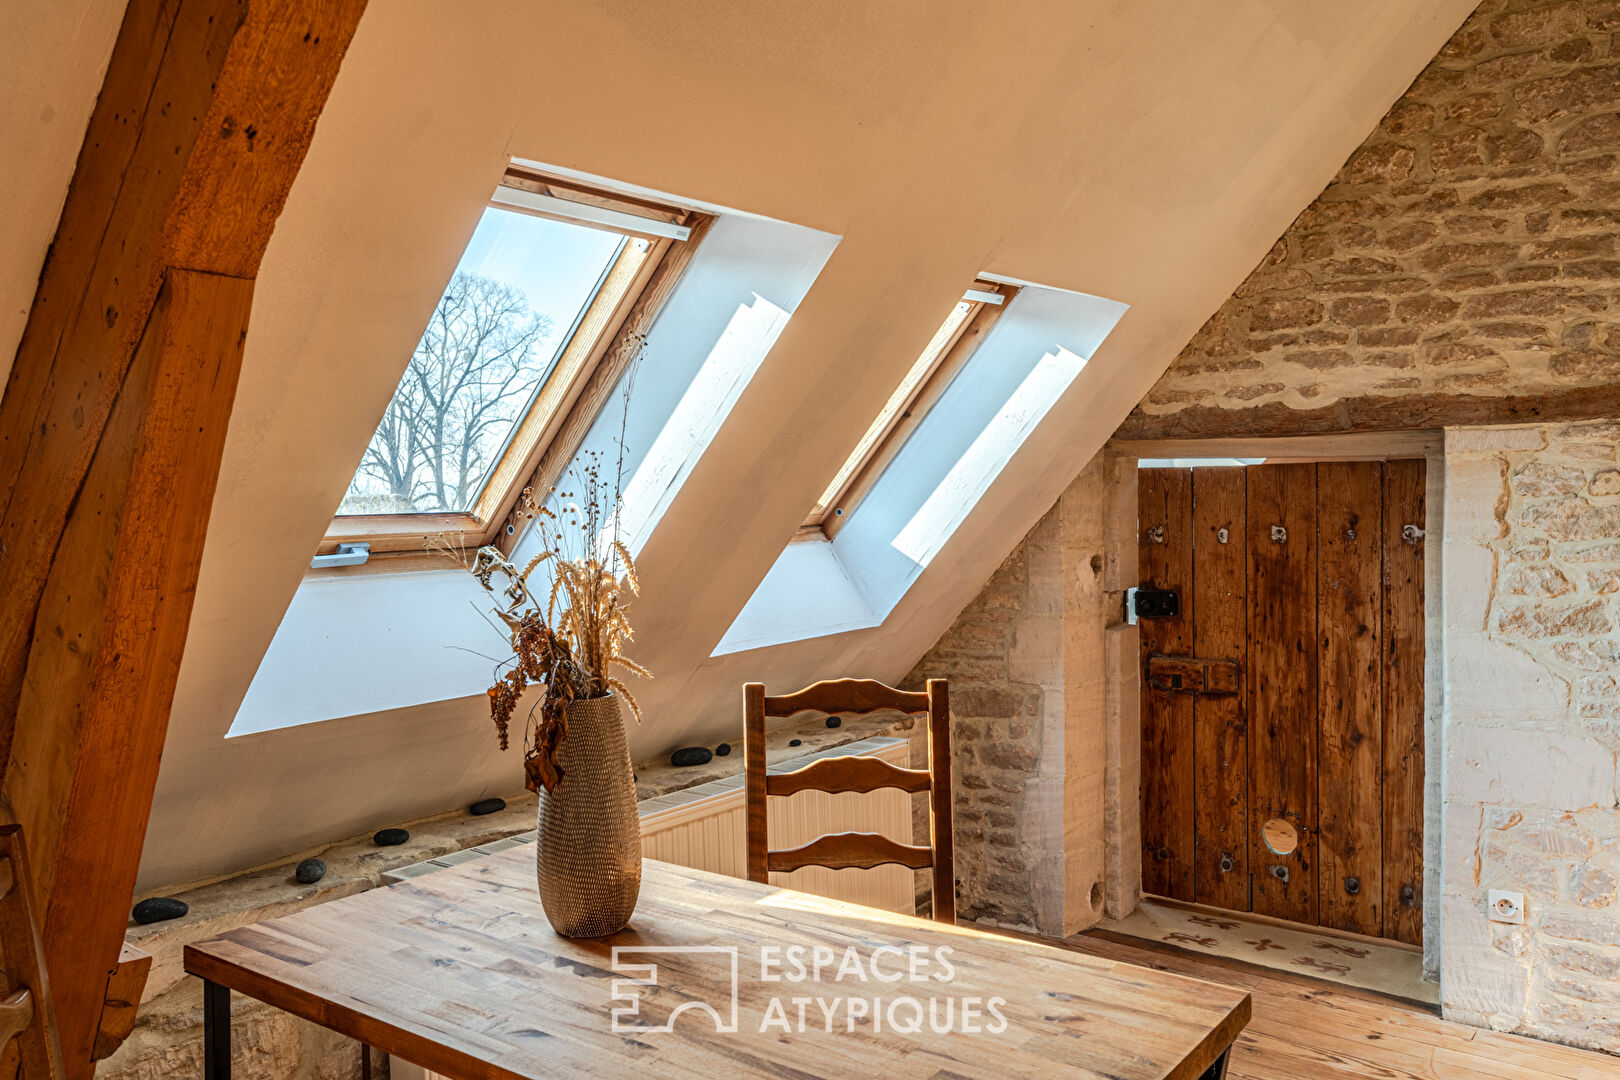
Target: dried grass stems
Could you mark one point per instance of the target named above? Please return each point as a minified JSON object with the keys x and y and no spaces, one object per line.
{"x":571,"y":643}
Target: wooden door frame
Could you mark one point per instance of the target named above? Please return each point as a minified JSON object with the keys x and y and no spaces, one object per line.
{"x":1123,"y":841}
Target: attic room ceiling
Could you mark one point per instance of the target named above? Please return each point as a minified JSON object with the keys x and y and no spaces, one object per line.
{"x":53,"y":54}
{"x":1148,"y":153}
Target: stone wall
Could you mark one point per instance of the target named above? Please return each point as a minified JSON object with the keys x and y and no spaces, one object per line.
{"x":1532,"y":729}
{"x":1462,"y":267}
{"x":1027,"y":662}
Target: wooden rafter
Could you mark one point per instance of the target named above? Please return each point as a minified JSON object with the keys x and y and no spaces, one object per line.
{"x":111,"y":430}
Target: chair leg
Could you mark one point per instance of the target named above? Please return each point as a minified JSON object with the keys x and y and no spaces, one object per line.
{"x":216,"y":1031}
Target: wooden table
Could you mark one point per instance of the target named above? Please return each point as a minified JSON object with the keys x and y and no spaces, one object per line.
{"x":459,"y":972}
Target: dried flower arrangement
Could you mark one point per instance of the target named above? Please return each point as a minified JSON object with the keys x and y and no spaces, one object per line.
{"x":572,"y":644}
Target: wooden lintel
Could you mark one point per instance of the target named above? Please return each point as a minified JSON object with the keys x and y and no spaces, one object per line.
{"x":1391,"y":413}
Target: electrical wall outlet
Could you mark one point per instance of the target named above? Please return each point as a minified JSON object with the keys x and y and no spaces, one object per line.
{"x":1505,"y":907}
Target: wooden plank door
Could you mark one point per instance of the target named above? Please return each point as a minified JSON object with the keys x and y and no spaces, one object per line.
{"x":1403,"y":728}
{"x":1220,"y":631}
{"x":1298,"y":792}
{"x":1282,"y":690}
{"x":1165,"y":524}
{"x":1349,"y":608}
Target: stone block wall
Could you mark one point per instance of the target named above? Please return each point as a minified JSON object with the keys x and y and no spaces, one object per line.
{"x":1532,"y":729}
{"x":1465,"y":253}
{"x":996,"y":735}
{"x":1030,"y":708}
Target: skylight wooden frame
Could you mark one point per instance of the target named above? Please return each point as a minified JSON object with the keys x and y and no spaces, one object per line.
{"x":827,"y":518}
{"x":605,"y":338}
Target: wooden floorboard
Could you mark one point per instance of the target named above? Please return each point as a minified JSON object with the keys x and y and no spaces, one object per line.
{"x":1305,"y":1029}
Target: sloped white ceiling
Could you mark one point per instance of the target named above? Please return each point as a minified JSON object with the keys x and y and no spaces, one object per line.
{"x":53,"y":54}
{"x":1147,"y":152}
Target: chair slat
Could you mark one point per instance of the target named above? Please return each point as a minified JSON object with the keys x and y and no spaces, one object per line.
{"x":16,"y":1013}
{"x":839,"y":774}
{"x":853,"y":774}
{"x":25,"y":981}
{"x":842,"y":851}
{"x":847,"y":695}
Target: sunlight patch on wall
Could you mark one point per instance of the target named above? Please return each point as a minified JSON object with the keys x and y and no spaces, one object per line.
{"x":742,"y":347}
{"x":977,"y":469}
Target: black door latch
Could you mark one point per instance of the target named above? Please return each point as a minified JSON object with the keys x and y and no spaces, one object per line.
{"x":1143,"y":603}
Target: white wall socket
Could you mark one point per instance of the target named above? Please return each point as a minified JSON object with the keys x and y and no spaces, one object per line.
{"x":1505,"y":907}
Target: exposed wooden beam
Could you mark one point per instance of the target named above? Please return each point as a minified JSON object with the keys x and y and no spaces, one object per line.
{"x":111,"y":431}
{"x":124,"y":989}
{"x":204,"y":116}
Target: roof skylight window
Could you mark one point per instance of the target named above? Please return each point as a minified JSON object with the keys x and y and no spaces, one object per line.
{"x":950,"y":347}
{"x":549,"y":298}
{"x":514,"y":301}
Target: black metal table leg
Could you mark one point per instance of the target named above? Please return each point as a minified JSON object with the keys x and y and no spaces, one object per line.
{"x":1217,"y":1071}
{"x":216,"y":1031}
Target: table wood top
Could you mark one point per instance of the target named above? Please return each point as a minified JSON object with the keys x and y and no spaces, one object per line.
{"x":458,"y":971}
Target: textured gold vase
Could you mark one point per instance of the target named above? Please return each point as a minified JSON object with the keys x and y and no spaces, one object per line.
{"x":590,"y":832}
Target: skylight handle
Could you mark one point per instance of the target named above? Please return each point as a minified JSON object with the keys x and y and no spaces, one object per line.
{"x":345,"y":555}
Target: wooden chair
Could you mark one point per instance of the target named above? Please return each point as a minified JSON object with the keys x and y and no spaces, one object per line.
{"x":850,"y":773}
{"x":26,"y":1017}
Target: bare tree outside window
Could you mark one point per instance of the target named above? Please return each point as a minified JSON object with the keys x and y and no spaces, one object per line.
{"x":468,"y":382}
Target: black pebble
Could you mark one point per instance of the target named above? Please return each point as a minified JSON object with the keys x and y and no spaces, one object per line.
{"x":158,"y":908}
{"x":486,"y":806}
{"x":390,"y":837}
{"x":835,"y":721}
{"x":795,"y":742}
{"x":309,"y":872}
{"x":691,"y":755}
{"x":722,"y":750}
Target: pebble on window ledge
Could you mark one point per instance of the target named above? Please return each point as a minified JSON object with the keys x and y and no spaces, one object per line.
{"x":687,"y":756}
{"x":159,"y":908}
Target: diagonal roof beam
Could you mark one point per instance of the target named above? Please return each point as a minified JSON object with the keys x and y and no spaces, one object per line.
{"x":111,"y":431}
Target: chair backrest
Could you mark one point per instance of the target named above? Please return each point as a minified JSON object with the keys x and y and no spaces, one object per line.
{"x":26,"y":1015}
{"x":849,"y":773}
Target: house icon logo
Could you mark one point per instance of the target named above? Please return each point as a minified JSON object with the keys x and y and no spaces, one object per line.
{"x":640,"y":962}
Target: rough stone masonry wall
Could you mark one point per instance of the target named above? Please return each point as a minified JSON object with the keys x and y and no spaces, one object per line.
{"x":997,"y":711}
{"x":1466,"y":252}
{"x":1036,"y":753}
{"x":1532,"y":730}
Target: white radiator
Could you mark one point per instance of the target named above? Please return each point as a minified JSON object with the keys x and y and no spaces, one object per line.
{"x":703,"y":827}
